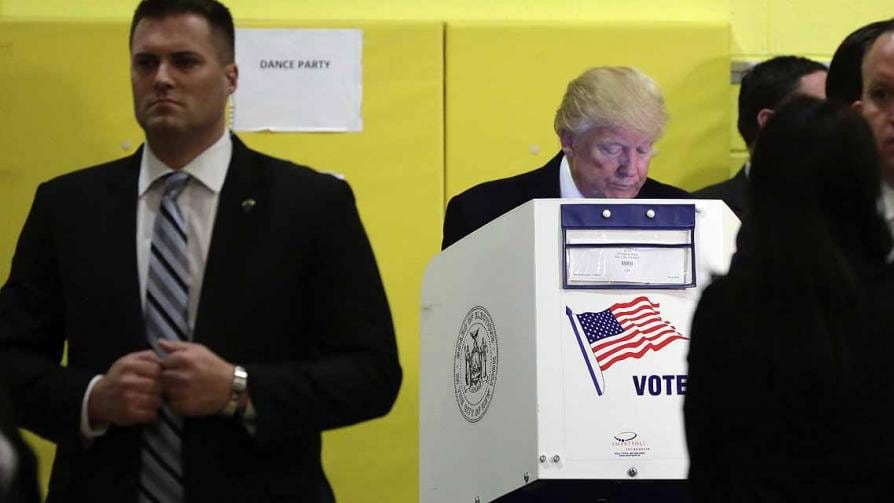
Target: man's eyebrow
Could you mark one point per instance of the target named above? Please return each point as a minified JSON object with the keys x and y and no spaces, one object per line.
{"x":882,"y":78}
{"x":184,"y":52}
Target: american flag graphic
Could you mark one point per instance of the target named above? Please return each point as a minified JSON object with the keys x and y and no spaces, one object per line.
{"x":625,"y":330}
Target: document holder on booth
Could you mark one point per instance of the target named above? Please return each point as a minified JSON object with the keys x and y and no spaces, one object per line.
{"x":622,"y":245}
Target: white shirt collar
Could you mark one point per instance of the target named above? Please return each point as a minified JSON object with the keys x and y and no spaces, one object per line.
{"x":567,"y":187}
{"x":210,"y":167}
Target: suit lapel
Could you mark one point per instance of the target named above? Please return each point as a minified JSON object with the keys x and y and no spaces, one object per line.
{"x":233,"y":235}
{"x":119,"y":229}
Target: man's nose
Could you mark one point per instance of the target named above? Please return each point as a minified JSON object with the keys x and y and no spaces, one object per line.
{"x":626,"y":162}
{"x":163,"y":77}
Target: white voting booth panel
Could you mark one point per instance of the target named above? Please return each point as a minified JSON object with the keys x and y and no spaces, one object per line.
{"x":522,"y":377}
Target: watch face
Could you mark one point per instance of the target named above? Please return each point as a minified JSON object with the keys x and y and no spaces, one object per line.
{"x":240,"y":379}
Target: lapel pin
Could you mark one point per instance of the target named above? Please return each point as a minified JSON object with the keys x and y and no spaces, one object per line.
{"x":247,"y":205}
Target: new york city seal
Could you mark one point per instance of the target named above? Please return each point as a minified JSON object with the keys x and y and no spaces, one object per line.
{"x":475,"y":363}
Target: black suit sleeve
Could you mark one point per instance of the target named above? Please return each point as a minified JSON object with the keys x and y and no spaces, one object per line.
{"x":354,"y":374}
{"x":476,"y":207}
{"x":48,"y":396}
{"x":456,"y":225}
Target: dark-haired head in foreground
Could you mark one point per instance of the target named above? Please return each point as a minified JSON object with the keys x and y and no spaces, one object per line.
{"x":806,"y":250}
{"x":827,"y":151}
{"x":789,"y":352}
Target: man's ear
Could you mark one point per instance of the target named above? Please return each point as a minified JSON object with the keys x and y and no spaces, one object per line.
{"x":858,"y":106}
{"x":763,"y":116}
{"x":566,"y":138}
{"x":232,"y":74}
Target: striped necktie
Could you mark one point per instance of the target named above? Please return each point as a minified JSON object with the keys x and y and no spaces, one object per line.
{"x":166,"y":314}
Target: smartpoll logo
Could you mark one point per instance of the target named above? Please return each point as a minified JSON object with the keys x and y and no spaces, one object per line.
{"x":623,"y":331}
{"x":628,"y":444}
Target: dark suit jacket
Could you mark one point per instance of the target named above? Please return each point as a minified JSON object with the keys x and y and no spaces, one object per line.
{"x":734,"y":192}
{"x":477,"y":206}
{"x":756,"y":434}
{"x":291,"y":292}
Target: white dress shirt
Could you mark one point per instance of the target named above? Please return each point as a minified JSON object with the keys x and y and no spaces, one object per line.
{"x":198,"y":204}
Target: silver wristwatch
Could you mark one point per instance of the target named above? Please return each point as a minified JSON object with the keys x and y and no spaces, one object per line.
{"x":240,"y":383}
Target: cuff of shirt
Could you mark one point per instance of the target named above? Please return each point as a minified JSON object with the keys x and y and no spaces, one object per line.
{"x":89,"y":431}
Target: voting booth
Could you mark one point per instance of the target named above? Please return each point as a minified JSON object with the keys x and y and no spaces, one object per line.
{"x":554,"y":343}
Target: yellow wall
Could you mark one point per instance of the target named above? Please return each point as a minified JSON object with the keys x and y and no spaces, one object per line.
{"x":437,"y":10}
{"x":758,"y":28}
{"x":505,"y":81}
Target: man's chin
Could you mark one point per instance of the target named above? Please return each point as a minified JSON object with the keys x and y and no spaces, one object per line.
{"x":162,"y":126}
{"x":622,"y":192}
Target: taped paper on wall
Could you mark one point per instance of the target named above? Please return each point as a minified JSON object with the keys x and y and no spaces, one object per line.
{"x":299,"y":80}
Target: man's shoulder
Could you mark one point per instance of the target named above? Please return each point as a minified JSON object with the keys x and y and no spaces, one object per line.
{"x":487,"y":191}
{"x":94,"y":176}
{"x":733,"y":192}
{"x":486,"y":201}
{"x":717,"y":190}
{"x":653,"y":189}
{"x":516,"y":189}
{"x":287,"y":171}
{"x":725,"y":188}
{"x":288,"y":184}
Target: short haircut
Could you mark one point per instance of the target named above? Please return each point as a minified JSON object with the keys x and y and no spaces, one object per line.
{"x":767,"y":85}
{"x":845,"y":81}
{"x":218,"y":16}
{"x":611,"y":96}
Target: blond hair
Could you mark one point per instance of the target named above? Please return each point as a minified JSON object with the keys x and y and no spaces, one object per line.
{"x":612,"y":96}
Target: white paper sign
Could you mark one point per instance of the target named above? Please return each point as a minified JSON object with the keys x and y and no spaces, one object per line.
{"x":298,"y":80}
{"x":647,"y":266}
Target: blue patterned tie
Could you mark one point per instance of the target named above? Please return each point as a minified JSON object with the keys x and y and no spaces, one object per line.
{"x":167,"y":317}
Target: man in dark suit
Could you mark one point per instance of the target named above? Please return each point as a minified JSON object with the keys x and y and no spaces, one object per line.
{"x":762,"y":89}
{"x":221,"y":307}
{"x":607,"y":123}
